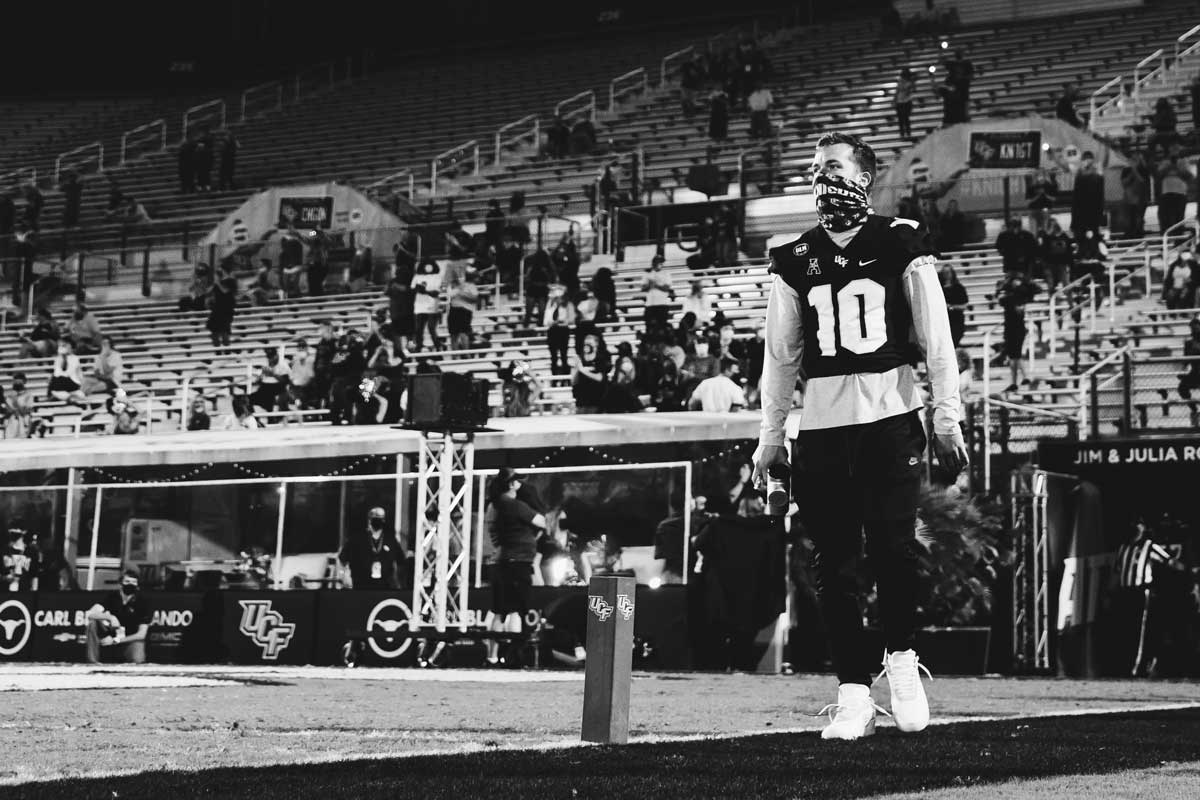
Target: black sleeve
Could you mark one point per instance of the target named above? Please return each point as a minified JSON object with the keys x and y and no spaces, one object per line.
{"x":913,"y":242}
{"x":143,"y":610}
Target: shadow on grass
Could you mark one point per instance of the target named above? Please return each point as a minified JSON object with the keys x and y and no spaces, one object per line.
{"x":771,"y":766}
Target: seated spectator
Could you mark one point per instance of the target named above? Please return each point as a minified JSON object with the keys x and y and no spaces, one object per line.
{"x":124,"y":413}
{"x":18,"y":418}
{"x":120,"y":621}
{"x":699,"y":303}
{"x":667,"y":395}
{"x":107,"y":373}
{"x":66,"y":380}
{"x":42,"y":339}
{"x":270,"y":376}
{"x":539,"y":274}
{"x":620,"y":396}
{"x":1179,"y":285}
{"x":589,"y":381}
{"x":198,"y":417}
{"x":241,"y":417}
{"x":129,"y":212}
{"x":721,"y":393}
{"x":84,"y":330}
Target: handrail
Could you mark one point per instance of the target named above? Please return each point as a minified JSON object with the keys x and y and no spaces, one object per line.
{"x":1093,"y":109}
{"x":388,"y":180}
{"x":471,"y":146}
{"x":614,"y":92}
{"x":97,"y":146}
{"x":160,"y":123}
{"x":1065,"y":292}
{"x":277,"y":86}
{"x":670,"y":58}
{"x":589,"y":107}
{"x":1166,"y":243}
{"x":1138,"y":67}
{"x":1184,"y":37}
{"x":195,"y":110}
{"x":18,"y":171}
{"x":1083,"y":377}
{"x":501,"y":140}
{"x":987,"y":409}
{"x":330,"y":65}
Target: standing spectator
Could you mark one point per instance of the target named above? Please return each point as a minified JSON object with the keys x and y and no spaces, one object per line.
{"x":66,"y":378}
{"x":205,"y":152}
{"x":401,"y":300}
{"x":906,"y":90}
{"x":121,"y":620}
{"x":229,"y":151}
{"x":520,"y":389}
{"x":25,"y":243}
{"x":494,"y":223}
{"x":589,"y":380}
{"x":1174,"y":179}
{"x":270,"y":378}
{"x":1042,"y":193}
{"x":459,"y":246}
{"x":84,"y":330}
{"x":956,"y":301}
{"x":1179,"y":284}
{"x":962,"y":73}
{"x":1135,"y":195}
{"x":72,"y":190}
{"x":726,"y":228}
{"x":1064,"y":109}
{"x":620,"y":397}
{"x":372,"y":556}
{"x":1057,"y":253}
{"x":607,"y":186}
{"x":565,"y":259}
{"x":1013,"y":293}
{"x":198,"y":416}
{"x":35,"y":201}
{"x":539,"y":274}
{"x":604,"y":289}
{"x":464,"y":299}
{"x":514,"y":533}
{"x":303,"y":374}
{"x":1165,"y":123}
{"x":718,"y":116}
{"x":427,"y":289}
{"x":721,"y":393}
{"x":759,"y":103}
{"x":187,"y":165}
{"x":124,"y":414}
{"x":557,"y":136}
{"x":42,"y":339}
{"x":1087,"y":201}
{"x":324,"y":353}
{"x":108,"y":372}
{"x":691,"y":81}
{"x":221,"y":311}
{"x":508,"y":265}
{"x":952,"y":228}
{"x":19,"y":424}
{"x":1017,"y":247}
{"x":699,"y":304}
{"x":656,"y":285}
{"x":318,"y":261}
{"x":559,"y":320}
{"x":954,"y":106}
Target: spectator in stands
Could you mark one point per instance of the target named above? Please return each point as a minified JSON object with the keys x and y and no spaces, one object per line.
{"x":401,"y":302}
{"x":557,"y":136}
{"x":1174,"y":179}
{"x":659,"y":294}
{"x":621,"y":397}
{"x":607,"y":187}
{"x":108,"y":372}
{"x":539,"y":274}
{"x":1190,"y":379}
{"x":130,"y":213}
{"x":42,"y":339}
{"x":721,"y":393}
{"x":124,"y":413}
{"x":187,"y":164}
{"x":698,"y":365}
{"x":704,"y":253}
{"x":1042,"y":193}
{"x":25,"y":244}
{"x":35,"y":201}
{"x":324,"y":352}
{"x":1179,"y":284}
{"x":303,"y":374}
{"x":952,"y":228}
{"x":560,"y":320}
{"x":691,"y":81}
{"x":604,"y":289}
{"x":222,"y":309}
{"x":271,"y":375}
{"x":318,"y":260}
{"x":17,"y":421}
{"x":1013,"y":293}
{"x":464,"y":299}
{"x":1091,"y":258}
{"x":520,"y":389}
{"x":1087,"y":200}
{"x":1135,"y":194}
{"x":1017,"y":247}
{"x":726,"y":344}
{"x":120,"y":621}
{"x":718,"y":116}
{"x":241,"y":416}
{"x":198,"y":416}
{"x":589,"y":382}
{"x":956,"y":301}
{"x":72,"y":192}
{"x":368,"y":401}
{"x":1057,"y":254}
{"x":565,"y":259}
{"x":954,"y":103}
{"x":516,"y":221}
{"x":744,"y":500}
{"x":725,"y":225}
{"x":755,"y":357}
{"x":66,"y":379}
{"x":427,"y":290}
{"x":902,"y":100}
{"x":203,"y":159}
{"x":583,"y":138}
{"x":494,"y":223}
{"x":586,"y":306}
{"x":1064,"y":109}
{"x":84,"y":330}
{"x":1165,"y":123}
{"x":457,"y":242}
{"x":961,"y":72}
{"x":229,"y":151}
{"x":699,"y":304}
{"x":508,"y":265}
{"x":759,"y":103}
{"x":347,"y":368}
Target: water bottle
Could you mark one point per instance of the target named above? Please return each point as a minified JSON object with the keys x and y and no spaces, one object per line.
{"x":778,"y":489}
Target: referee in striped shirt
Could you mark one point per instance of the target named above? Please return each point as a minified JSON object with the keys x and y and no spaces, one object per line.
{"x":1136,"y":562}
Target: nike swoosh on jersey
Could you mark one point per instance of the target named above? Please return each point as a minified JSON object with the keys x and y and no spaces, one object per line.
{"x":864,"y":263}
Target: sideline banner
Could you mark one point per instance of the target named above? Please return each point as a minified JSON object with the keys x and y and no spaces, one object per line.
{"x":380,"y":614}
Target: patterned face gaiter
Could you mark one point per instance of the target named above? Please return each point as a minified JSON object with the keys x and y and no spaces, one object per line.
{"x":841,"y":204}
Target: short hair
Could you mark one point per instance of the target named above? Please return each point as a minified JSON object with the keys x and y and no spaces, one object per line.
{"x":729,"y":363}
{"x":863,"y":153}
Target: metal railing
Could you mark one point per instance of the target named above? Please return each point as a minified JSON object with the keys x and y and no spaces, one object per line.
{"x":451,"y":162}
{"x":405,"y":177}
{"x":1173,"y":241}
{"x":19,"y":177}
{"x":622,"y":85}
{"x":1089,"y":379}
{"x":578,"y":106}
{"x":262,"y":98}
{"x":208,"y":113}
{"x":527,"y":127}
{"x":673,"y":62}
{"x":92,"y":153}
{"x":316,"y":78}
{"x":155,"y":131}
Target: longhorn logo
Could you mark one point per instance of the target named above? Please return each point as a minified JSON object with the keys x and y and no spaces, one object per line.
{"x":16,"y":628}
{"x":265,"y":627}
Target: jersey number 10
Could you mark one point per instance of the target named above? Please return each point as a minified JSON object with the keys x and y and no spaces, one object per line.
{"x":853,"y":318}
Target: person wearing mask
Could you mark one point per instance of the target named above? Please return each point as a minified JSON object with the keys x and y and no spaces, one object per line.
{"x":1057,"y":255}
{"x":515,"y":529}
{"x":271,"y":376}
{"x":464,"y":300}
{"x":902,"y":101}
{"x":42,"y":339}
{"x":221,"y":312}
{"x":198,"y":416}
{"x":1017,"y":247}
{"x":721,"y":393}
{"x":699,"y":304}
{"x":1013,"y":293}
{"x":956,"y":301}
{"x":559,"y":321}
{"x":120,"y":621}
{"x":84,"y":330}
{"x":372,"y":556}
{"x":66,"y":379}
{"x":427,"y":289}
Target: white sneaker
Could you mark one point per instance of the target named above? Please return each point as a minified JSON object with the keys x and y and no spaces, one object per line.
{"x":910,"y":707}
{"x":853,"y":715}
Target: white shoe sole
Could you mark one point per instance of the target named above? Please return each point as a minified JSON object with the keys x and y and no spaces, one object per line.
{"x":869,"y":730}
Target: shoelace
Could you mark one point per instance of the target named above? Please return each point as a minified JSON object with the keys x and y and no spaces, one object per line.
{"x":833,"y":708}
{"x":903,"y":684}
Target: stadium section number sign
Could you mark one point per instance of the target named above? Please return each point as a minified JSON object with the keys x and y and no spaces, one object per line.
{"x":305,"y":212}
{"x":1006,"y":150}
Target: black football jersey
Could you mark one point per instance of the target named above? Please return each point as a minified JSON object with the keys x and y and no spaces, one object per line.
{"x":854,"y":313}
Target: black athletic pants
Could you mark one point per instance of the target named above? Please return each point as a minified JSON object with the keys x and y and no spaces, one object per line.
{"x":851,"y":480}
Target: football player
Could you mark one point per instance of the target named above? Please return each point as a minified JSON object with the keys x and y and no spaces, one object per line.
{"x":854,"y":304}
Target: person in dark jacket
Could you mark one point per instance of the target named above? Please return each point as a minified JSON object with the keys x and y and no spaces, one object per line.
{"x":205,"y":152}
{"x":222,"y":309}
{"x":539,"y":274}
{"x":516,"y":526}
{"x":1017,"y":247}
{"x":718,"y":116}
{"x":187,"y":165}
{"x":228,"y":164}
{"x":374,"y":557}
{"x":72,"y":191}
{"x":604,"y":289}
{"x":956,"y":301}
{"x":1087,"y":203}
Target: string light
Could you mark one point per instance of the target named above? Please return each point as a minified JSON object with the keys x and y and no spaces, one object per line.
{"x":250,"y":472}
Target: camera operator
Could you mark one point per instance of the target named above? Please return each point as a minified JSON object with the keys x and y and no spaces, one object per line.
{"x":373,"y":555}
{"x":110,"y":620}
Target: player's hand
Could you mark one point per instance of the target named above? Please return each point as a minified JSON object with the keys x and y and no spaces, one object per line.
{"x":765,"y":456}
{"x":951,"y":451}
